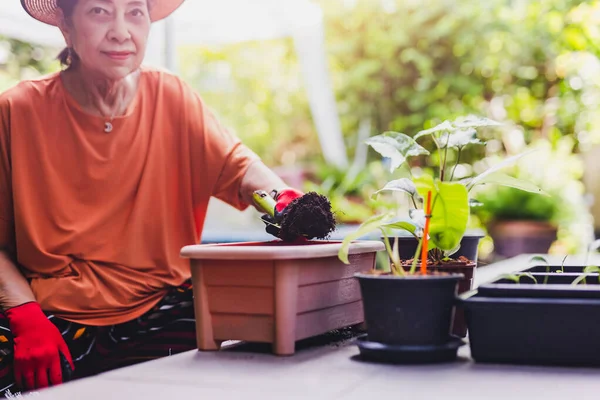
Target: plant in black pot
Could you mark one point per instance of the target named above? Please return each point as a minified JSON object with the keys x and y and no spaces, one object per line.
{"x":409,"y":309}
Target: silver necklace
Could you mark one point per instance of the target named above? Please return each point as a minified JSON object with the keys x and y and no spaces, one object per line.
{"x":108,"y":125}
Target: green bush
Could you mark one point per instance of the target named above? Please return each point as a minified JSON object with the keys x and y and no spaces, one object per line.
{"x":505,"y":203}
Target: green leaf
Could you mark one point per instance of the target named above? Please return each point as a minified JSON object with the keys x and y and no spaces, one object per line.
{"x":443,"y":127}
{"x":448,"y":253}
{"x":473,"y":121}
{"x":505,"y":163}
{"x":517,"y":277}
{"x":542,"y":260}
{"x":407,"y":225}
{"x":399,"y":185}
{"x":450,"y":211}
{"x":371,"y":224}
{"x":500,"y":178}
{"x":465,"y":125}
{"x":396,"y":146}
{"x":591,"y":269}
{"x":459,"y":138}
{"x":538,"y":259}
{"x":513,"y":277}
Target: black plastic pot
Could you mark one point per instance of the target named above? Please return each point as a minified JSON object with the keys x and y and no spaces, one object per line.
{"x":469,"y":245}
{"x":527,"y":323}
{"x":412,"y":310}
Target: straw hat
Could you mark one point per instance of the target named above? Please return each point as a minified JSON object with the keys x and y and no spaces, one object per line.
{"x":45,"y":10}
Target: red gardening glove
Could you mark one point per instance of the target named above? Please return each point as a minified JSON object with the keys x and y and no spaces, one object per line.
{"x":282,"y":198}
{"x":37,"y":347}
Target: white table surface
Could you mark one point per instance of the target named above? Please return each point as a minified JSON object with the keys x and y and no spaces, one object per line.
{"x":333,"y":371}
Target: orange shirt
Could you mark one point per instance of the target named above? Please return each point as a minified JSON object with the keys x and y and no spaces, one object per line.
{"x":97,"y":219}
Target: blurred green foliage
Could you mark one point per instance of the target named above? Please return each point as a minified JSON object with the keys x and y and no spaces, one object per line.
{"x":20,"y":60}
{"x":506,"y":203}
{"x":257,"y":90}
{"x":411,"y":64}
{"x":404,"y":65}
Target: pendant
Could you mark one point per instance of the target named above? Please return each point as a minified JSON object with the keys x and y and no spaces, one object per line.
{"x":108,"y":127}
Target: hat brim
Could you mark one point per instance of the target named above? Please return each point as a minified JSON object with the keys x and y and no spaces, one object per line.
{"x":45,"y":10}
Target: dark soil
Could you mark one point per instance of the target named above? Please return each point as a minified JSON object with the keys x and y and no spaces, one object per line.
{"x":417,"y":272}
{"x":453,"y":262}
{"x":334,"y":338}
{"x":309,"y":216}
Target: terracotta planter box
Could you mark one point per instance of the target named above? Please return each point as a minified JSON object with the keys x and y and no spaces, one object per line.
{"x":273,"y":292}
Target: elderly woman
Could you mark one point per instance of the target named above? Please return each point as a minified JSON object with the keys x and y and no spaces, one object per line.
{"x":106,"y":170}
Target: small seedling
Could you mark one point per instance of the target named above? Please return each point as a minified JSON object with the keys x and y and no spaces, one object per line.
{"x":517,"y":277}
{"x":590,"y":269}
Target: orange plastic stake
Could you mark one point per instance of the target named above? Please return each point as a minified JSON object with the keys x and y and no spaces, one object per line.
{"x":426,"y":235}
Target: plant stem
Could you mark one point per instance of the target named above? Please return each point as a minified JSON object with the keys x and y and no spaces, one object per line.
{"x":414,"y":201}
{"x":409,"y":170}
{"x":388,"y":247}
{"x":386,"y":241}
{"x":456,"y":165}
{"x":443,"y":169}
{"x":415,"y":258}
{"x":396,"y":261}
{"x":437,"y":145}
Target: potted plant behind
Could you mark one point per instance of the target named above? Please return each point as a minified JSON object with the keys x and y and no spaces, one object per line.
{"x":408,"y":310}
{"x":519,"y":222}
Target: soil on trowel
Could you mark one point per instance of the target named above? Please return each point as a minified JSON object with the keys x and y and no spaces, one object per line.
{"x":309,"y":216}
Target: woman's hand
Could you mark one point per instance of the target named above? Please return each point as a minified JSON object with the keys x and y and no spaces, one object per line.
{"x":37,"y":347}
{"x":283,"y":198}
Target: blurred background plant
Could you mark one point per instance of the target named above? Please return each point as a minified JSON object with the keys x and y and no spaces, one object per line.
{"x":406,"y":65}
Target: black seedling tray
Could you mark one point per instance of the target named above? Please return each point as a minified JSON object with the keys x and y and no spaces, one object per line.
{"x":546,"y":331}
{"x":577,"y":269}
{"x":547,"y":286}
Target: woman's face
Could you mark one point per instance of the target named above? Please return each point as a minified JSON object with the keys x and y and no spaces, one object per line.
{"x":109,"y":36}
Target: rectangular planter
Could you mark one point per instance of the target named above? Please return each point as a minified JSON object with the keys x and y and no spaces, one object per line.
{"x":553,"y":324}
{"x":554,"y":285}
{"x":276,"y":292}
